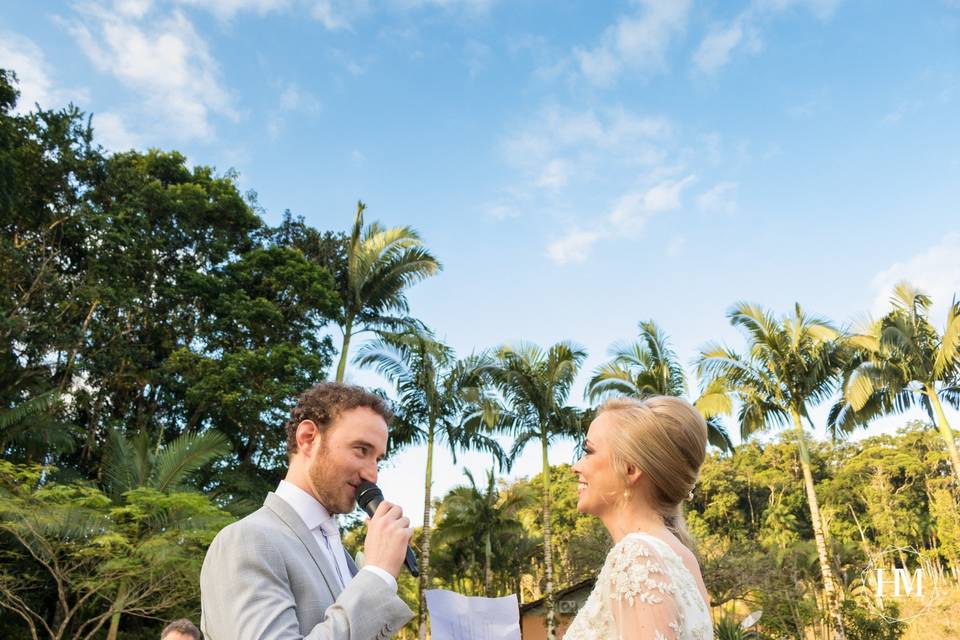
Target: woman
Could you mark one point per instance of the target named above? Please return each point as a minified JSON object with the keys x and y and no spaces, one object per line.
{"x":640,"y":462}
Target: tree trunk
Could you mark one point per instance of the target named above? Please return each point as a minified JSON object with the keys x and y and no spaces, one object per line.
{"x":487,"y":551}
{"x":547,"y":547}
{"x":425,"y":547}
{"x":117,"y":611}
{"x":829,"y":587}
{"x":347,"y":331}
{"x":945,"y":432}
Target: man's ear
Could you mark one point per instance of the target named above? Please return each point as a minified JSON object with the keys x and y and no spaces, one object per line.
{"x":308,"y":436}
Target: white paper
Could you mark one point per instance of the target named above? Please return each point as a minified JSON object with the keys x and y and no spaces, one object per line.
{"x":457,"y":617}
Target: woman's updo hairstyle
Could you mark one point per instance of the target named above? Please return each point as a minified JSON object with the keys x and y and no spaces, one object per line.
{"x":666,"y":438}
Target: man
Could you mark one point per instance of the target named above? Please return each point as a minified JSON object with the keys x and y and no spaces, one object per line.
{"x":181,"y":629}
{"x":282,"y":573}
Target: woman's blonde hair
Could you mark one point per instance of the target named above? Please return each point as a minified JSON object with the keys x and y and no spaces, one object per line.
{"x":666,"y":438}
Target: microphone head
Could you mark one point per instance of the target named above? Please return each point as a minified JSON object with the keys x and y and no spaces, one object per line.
{"x":368,"y":492}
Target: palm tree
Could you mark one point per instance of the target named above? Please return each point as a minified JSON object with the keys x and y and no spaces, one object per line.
{"x":648,"y":367}
{"x":381,"y":264}
{"x":437,"y":395}
{"x":901,"y":360}
{"x":133,"y":463}
{"x":481,"y":516}
{"x":534,"y":385}
{"x":31,"y":431}
{"x":789,"y":365}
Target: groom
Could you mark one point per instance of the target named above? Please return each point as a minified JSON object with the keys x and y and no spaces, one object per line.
{"x":282,"y":573}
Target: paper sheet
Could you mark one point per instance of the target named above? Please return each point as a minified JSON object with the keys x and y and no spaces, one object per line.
{"x":457,"y":617}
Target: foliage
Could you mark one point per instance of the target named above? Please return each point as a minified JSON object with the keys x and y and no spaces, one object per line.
{"x":382,"y":262}
{"x":645,"y":368}
{"x":140,"y":557}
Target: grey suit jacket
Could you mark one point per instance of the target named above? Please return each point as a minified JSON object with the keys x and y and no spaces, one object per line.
{"x":265,"y":578}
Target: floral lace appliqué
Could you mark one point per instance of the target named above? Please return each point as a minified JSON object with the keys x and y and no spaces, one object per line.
{"x":643,"y":592}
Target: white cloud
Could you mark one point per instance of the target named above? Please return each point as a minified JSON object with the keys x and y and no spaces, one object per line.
{"x":632,"y":210}
{"x":721,"y":198}
{"x":113,"y":132}
{"x":293,"y":99}
{"x":935,"y":271}
{"x":477,"y":7}
{"x":21,"y":55}
{"x":560,"y":144}
{"x":676,"y":246}
{"x":227,"y":9}
{"x":637,"y":42}
{"x":555,"y":174}
{"x":574,"y":247}
{"x":476,"y":55}
{"x":164,"y":60}
{"x":714,"y":52}
{"x":743,"y":32}
{"x":336,"y":15}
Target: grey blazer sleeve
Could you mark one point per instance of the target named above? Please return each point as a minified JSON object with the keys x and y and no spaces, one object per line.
{"x":246,"y":594}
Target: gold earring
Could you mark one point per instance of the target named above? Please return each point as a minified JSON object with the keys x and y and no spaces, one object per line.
{"x":626,"y":494}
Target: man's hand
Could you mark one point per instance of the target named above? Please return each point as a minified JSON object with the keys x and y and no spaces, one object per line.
{"x":388,"y":534}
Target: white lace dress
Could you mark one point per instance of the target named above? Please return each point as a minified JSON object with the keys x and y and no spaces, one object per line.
{"x":643,"y":592}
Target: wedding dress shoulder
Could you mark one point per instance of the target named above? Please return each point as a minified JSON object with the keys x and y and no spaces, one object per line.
{"x":643,"y":592}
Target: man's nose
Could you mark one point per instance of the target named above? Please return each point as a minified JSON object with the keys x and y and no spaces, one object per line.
{"x":369,"y":472}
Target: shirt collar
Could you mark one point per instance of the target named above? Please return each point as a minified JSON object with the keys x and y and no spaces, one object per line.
{"x":307,"y":507}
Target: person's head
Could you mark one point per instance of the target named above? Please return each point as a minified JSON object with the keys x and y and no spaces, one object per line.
{"x":642,"y":450}
{"x":336,"y":435}
{"x":181,"y":629}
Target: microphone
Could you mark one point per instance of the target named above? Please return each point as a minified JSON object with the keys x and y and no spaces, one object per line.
{"x":369,"y":498}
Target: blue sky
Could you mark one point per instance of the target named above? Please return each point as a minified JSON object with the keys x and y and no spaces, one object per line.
{"x":576,"y":166}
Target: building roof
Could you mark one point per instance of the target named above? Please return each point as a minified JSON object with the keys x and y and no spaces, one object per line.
{"x":584,"y":584}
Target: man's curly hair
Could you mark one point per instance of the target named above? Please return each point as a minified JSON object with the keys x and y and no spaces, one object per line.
{"x":325,"y":402}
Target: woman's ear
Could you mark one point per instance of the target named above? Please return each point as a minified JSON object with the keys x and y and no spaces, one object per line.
{"x":633,"y":475}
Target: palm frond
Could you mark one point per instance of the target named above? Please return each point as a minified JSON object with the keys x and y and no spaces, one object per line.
{"x":185,"y":455}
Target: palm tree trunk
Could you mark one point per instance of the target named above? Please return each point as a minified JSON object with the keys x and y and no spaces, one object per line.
{"x":487,"y":551}
{"x":547,"y":546}
{"x":347,"y":334}
{"x":945,"y":432}
{"x":425,"y":550}
{"x":829,"y":587}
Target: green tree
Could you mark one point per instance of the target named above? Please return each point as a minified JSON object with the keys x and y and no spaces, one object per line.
{"x":534,"y":385}
{"x":648,"y":367}
{"x":100,"y":559}
{"x":902,"y":360}
{"x":790,"y":364}
{"x":134,"y":464}
{"x":436,"y":395}
{"x":381,"y":264}
{"x":481,"y":516}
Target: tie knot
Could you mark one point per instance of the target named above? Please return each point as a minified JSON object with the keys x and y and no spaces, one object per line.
{"x":330,"y":528}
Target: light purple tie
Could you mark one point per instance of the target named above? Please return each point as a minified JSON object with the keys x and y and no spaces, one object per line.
{"x":329,"y":529}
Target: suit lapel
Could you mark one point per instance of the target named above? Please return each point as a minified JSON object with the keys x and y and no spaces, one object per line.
{"x":290,"y":518}
{"x":350,"y":563}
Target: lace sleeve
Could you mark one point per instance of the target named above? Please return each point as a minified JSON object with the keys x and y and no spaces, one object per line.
{"x":642,"y":594}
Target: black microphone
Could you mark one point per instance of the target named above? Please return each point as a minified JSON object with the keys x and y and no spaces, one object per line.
{"x":369,"y":498}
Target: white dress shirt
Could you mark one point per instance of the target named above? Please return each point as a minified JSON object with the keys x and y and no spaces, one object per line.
{"x":325,"y":531}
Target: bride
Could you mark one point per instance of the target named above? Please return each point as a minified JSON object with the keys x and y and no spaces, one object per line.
{"x":640,"y":462}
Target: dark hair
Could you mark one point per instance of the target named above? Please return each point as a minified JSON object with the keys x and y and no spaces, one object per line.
{"x":323,"y":403}
{"x":181,"y":626}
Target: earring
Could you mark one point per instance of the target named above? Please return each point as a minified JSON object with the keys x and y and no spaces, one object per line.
{"x":626,"y":495}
